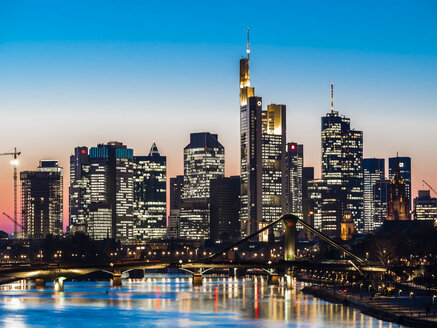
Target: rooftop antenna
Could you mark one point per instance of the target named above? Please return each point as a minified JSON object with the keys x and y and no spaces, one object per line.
{"x":332,"y":97}
{"x":248,"y":45}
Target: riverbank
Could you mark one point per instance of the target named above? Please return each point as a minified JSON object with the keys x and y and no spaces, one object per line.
{"x":391,"y":309}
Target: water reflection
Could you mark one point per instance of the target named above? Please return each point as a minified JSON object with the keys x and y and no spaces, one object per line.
{"x":161,"y":300}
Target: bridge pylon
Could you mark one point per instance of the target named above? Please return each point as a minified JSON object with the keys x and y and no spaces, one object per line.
{"x":197,"y":278}
{"x":273,"y":279}
{"x":40,"y":283}
{"x":116,"y":278}
{"x":289,"y":223}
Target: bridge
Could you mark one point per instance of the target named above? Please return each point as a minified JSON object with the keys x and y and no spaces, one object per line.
{"x":288,"y":265}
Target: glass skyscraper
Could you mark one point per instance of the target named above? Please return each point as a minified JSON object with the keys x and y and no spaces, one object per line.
{"x":294,"y":179}
{"x":374,"y":170}
{"x":42,"y":200}
{"x":103,"y":192}
{"x":273,"y":164}
{"x":262,"y":165}
{"x":204,"y":160}
{"x":342,"y":155}
{"x":150,"y":195}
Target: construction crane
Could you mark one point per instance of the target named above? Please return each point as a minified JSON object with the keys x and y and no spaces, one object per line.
{"x":14,"y":162}
{"x":12,"y":219}
{"x":429,"y":186}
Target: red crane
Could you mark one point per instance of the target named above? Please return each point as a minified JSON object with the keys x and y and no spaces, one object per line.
{"x":12,"y":219}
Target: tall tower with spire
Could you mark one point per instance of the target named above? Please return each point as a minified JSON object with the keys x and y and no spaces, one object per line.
{"x":263,"y":143}
{"x":342,"y":156}
{"x":251,"y":148}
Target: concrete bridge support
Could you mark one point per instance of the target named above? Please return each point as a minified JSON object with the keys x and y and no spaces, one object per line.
{"x":197,"y":279}
{"x":40,"y":283}
{"x":59,"y":284}
{"x":116,"y":278}
{"x":273,"y":279}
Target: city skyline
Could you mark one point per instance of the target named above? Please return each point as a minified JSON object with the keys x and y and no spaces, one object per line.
{"x":377,"y":107}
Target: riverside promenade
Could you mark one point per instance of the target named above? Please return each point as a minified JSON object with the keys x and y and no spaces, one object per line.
{"x":403,"y":308}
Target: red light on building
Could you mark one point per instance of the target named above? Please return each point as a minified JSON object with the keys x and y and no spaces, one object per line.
{"x":83,"y":151}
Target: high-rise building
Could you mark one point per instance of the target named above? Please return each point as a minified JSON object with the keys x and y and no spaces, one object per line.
{"x":374,"y":170}
{"x":273,"y":165}
{"x":307,"y":175}
{"x":294,"y":179}
{"x":405,"y":172}
{"x":204,"y":160}
{"x":398,"y":204}
{"x":325,"y":202}
{"x":106,"y":191}
{"x":176,"y":191}
{"x":262,"y":137}
{"x":150,"y":195}
{"x":425,"y":206}
{"x":342,"y":155}
{"x":380,"y":199}
{"x":224,"y":208}
{"x":42,"y":200}
{"x":173,"y":224}
{"x":251,"y":157}
{"x":79,"y":189}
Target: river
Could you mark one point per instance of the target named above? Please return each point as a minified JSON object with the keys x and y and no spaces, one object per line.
{"x":171,"y":301}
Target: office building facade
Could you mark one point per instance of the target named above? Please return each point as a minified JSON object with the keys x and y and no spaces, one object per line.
{"x":42,"y":200}
{"x":342,"y":155}
{"x":150,"y":195}
{"x":425,"y":206}
{"x":204,"y":160}
{"x":225,"y":208}
{"x":374,"y":170}
{"x":294,"y":179}
{"x":107,"y":183}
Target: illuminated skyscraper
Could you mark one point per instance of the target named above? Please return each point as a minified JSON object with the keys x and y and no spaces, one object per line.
{"x":374,"y":170}
{"x":325,"y":202}
{"x":42,"y":200}
{"x":79,"y":189}
{"x":380,"y":199}
{"x":103,"y":192}
{"x":273,"y":164}
{"x":294,"y":176}
{"x":150,"y":196}
{"x":342,"y":155}
{"x":262,"y":136}
{"x":405,"y":172}
{"x":425,"y":206}
{"x":204,"y":160}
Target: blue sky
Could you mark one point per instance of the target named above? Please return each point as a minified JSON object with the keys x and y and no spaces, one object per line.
{"x":82,"y":72}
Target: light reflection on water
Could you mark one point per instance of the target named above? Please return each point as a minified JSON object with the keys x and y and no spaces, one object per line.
{"x":162,"y":300}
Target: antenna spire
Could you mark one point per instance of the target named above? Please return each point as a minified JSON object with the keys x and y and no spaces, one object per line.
{"x":332,"y":97}
{"x":248,"y":45}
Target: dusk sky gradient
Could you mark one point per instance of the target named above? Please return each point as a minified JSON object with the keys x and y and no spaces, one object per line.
{"x":76,"y":73}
